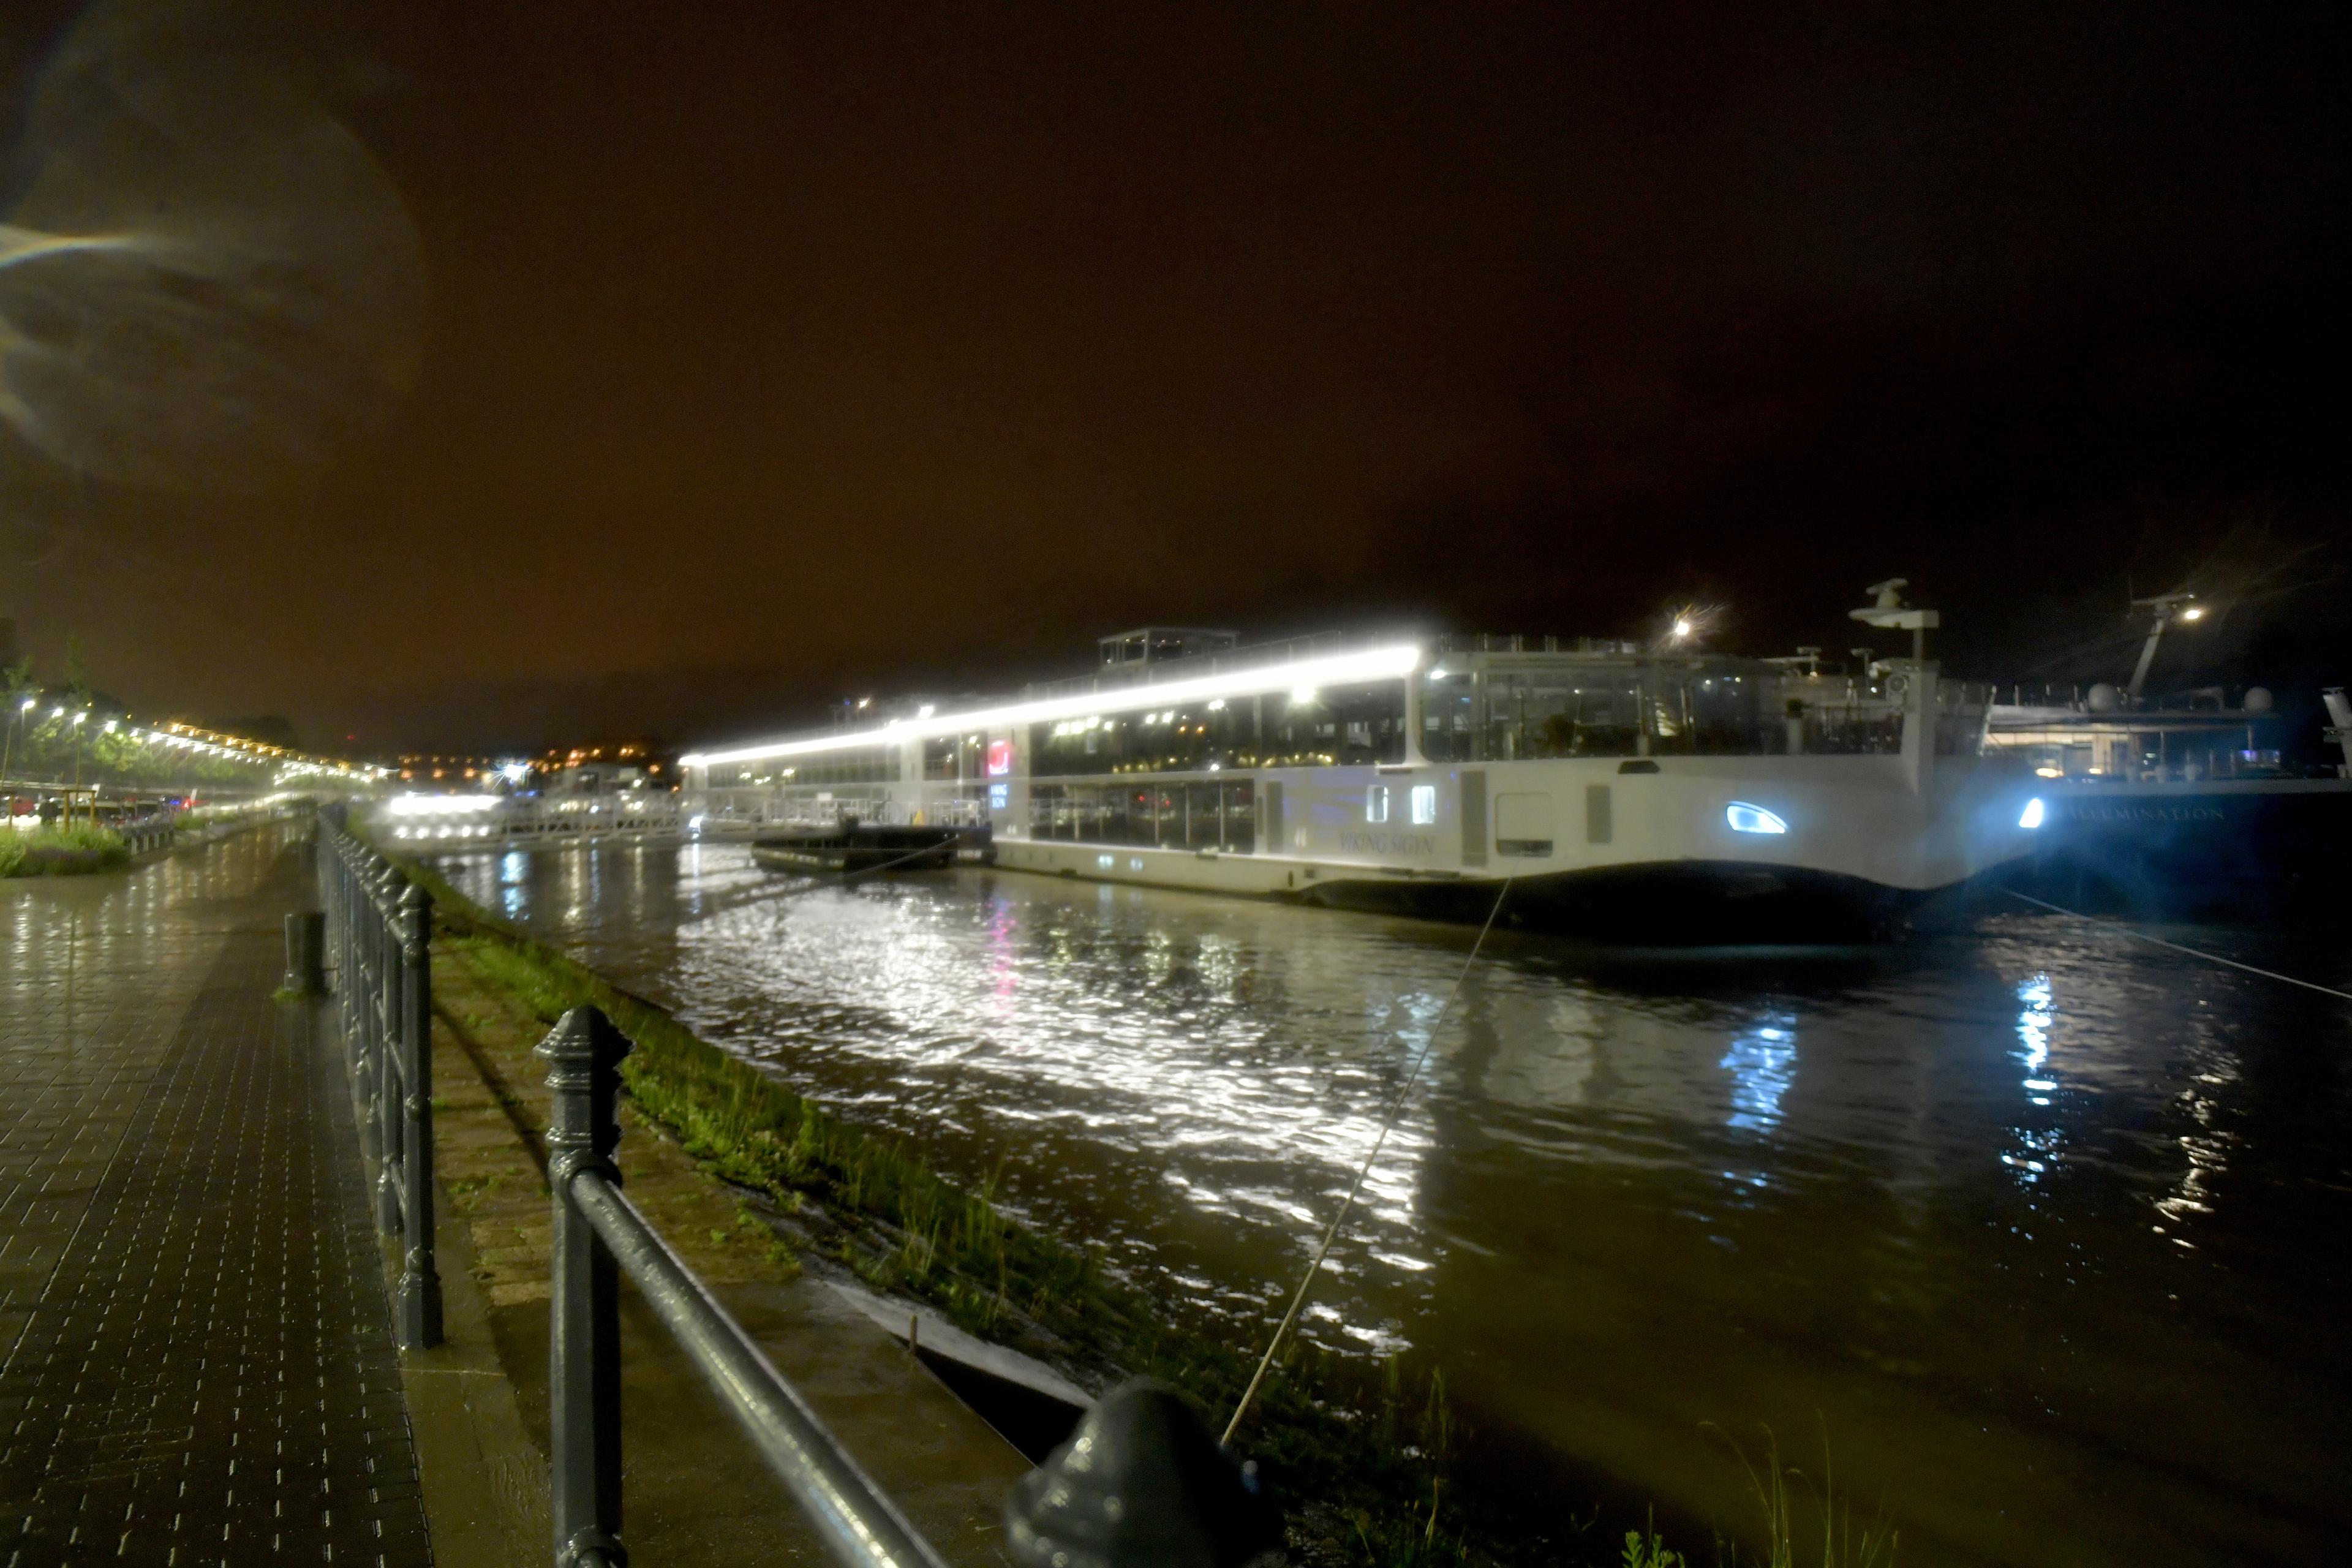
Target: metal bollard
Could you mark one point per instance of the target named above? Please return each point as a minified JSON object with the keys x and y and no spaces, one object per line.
{"x":1140,"y":1482}
{"x":305,"y":935}
{"x":583,"y":1054}
{"x":420,"y":1281}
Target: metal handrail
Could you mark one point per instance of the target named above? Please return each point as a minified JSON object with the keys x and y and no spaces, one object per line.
{"x":599,"y":1234}
{"x":857,"y":1522}
{"x":1123,"y":1485}
{"x":379,"y":929}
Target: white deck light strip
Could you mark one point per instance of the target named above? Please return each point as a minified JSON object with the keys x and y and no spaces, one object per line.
{"x":1370,"y":664}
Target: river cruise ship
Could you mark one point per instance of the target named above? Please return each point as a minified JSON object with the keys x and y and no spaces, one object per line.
{"x":2189,"y":806}
{"x":1621,"y":791}
{"x":583,"y":807}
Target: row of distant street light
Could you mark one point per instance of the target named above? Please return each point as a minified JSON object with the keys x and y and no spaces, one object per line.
{"x":177,"y":736}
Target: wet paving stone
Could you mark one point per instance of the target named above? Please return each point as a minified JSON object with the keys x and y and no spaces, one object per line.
{"x":200,"y":1367}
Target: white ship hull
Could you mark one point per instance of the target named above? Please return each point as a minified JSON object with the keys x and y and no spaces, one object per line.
{"x":1646,"y":855}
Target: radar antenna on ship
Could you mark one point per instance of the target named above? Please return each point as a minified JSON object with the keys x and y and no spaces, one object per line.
{"x":1889,"y":610}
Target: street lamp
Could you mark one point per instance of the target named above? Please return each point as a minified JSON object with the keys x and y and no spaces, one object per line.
{"x":8,"y":751}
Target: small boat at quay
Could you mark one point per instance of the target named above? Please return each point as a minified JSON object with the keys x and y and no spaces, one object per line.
{"x":853,"y":848}
{"x":1624,"y":793}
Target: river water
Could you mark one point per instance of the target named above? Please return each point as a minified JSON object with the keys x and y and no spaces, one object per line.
{"x":2043,"y":1230}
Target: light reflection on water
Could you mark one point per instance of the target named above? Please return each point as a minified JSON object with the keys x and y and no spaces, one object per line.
{"x":1762,"y":1062}
{"x":1962,"y":1202}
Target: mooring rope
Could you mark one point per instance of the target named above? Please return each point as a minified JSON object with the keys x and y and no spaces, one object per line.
{"x":2176,"y":947}
{"x":1299,"y":1297}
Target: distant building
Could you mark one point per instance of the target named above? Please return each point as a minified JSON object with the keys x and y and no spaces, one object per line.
{"x":616,"y":766}
{"x":448,"y":769}
{"x":598,"y":778}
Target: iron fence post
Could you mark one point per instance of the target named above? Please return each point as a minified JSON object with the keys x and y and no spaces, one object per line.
{"x":420,"y":1281}
{"x":584,"y":1054}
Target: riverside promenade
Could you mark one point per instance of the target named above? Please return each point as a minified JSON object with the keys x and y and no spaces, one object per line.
{"x":196,"y":1357}
{"x":196,"y":1362}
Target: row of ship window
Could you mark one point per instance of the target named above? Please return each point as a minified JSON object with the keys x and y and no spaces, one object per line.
{"x":1309,"y":727}
{"x":1219,"y":814}
{"x":1208,"y":815}
{"x":1602,"y":712}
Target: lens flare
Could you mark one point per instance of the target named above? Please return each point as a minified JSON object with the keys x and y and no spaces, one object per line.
{"x":207,"y":282}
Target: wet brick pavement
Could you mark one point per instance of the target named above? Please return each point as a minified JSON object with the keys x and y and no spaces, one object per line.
{"x":199,"y":1365}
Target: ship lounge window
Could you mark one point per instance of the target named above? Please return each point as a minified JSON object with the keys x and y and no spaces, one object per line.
{"x":1586,"y":712}
{"x":1424,"y":804}
{"x":952,"y":757}
{"x":1330,"y":726}
{"x":1449,"y":723}
{"x":1171,"y":814}
{"x":1297,"y":727}
{"x":859,"y":764}
{"x":1376,"y":803}
{"x":1708,"y":713}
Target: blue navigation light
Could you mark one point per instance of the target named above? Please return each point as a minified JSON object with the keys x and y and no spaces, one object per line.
{"x":1747,"y":818}
{"x":2031,"y":815}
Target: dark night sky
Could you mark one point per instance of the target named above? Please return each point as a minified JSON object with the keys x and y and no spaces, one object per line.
{"x":778,"y":352}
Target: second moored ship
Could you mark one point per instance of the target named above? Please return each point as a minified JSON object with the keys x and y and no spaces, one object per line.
{"x":1657,"y":795}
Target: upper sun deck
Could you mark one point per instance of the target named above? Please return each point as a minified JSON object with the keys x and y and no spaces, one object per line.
{"x":1276,"y":661}
{"x":1166,"y":668}
{"x":1221,"y":662}
{"x":1298,"y":662}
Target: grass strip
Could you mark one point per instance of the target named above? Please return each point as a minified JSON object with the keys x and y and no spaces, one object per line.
{"x":72,"y":851}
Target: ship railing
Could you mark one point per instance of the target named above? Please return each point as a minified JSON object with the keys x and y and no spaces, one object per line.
{"x":1525,"y":642}
{"x":1841,"y":715}
{"x":1963,"y":716}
